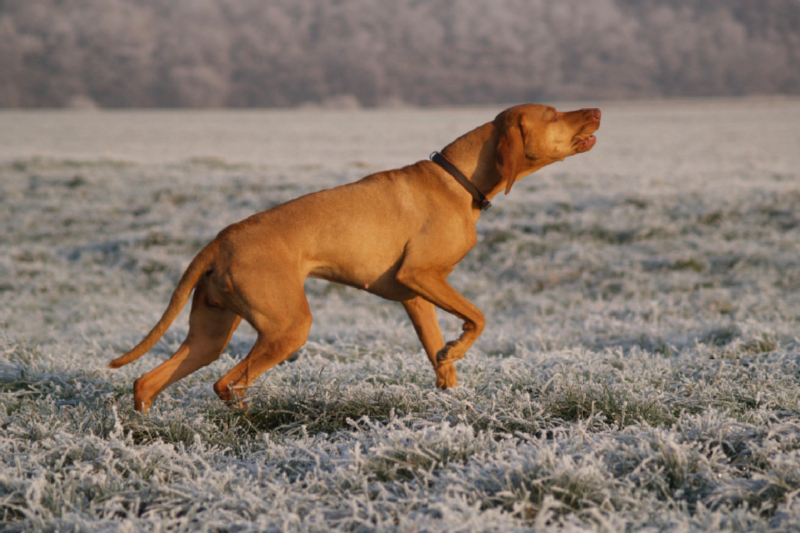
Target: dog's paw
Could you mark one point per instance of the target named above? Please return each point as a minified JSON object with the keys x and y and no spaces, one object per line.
{"x":442,"y":355}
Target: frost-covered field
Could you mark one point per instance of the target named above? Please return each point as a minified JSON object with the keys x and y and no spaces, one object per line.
{"x":640,"y":368}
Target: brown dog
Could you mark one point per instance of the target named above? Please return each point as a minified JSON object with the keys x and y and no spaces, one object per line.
{"x":397,"y":234}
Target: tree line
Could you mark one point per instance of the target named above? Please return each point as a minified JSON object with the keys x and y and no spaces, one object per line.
{"x":242,"y":53}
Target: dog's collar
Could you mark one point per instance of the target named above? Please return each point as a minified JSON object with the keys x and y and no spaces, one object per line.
{"x":451,"y":169}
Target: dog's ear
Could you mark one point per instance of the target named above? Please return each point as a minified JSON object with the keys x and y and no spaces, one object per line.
{"x":511,"y":150}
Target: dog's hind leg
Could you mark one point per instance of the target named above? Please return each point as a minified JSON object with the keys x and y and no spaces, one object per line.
{"x":282,"y":322}
{"x":210,"y":330}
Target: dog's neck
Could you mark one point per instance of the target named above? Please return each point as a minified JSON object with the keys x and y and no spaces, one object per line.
{"x":474,"y":154}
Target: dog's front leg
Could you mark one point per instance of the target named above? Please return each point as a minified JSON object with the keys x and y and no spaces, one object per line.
{"x":423,"y":316}
{"x":432,"y":285}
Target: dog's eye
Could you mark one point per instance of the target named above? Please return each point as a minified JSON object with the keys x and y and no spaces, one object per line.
{"x":555,"y":118}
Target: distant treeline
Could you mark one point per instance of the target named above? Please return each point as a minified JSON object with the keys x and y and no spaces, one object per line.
{"x":215,"y":53}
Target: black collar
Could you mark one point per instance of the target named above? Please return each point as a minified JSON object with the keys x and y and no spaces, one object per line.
{"x":451,"y":169}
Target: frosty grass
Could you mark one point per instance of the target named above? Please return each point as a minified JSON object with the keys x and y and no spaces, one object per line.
{"x":640,"y":369}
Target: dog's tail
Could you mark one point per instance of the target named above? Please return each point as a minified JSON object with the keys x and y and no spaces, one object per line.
{"x":181,"y":294}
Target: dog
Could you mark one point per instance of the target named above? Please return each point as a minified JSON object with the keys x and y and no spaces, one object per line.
{"x":396,"y":234}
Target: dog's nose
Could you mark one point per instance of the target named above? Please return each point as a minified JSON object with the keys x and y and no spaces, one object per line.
{"x":595,"y":113}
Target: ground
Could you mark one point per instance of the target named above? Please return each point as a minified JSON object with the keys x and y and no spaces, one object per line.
{"x":640,"y":368}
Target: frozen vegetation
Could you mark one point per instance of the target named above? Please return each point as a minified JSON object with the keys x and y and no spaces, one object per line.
{"x":640,"y":370}
{"x":252,"y":53}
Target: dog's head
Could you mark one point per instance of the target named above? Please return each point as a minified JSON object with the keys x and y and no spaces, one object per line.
{"x":532,"y":136}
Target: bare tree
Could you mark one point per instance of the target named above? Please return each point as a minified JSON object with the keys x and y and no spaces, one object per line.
{"x":213,"y":53}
